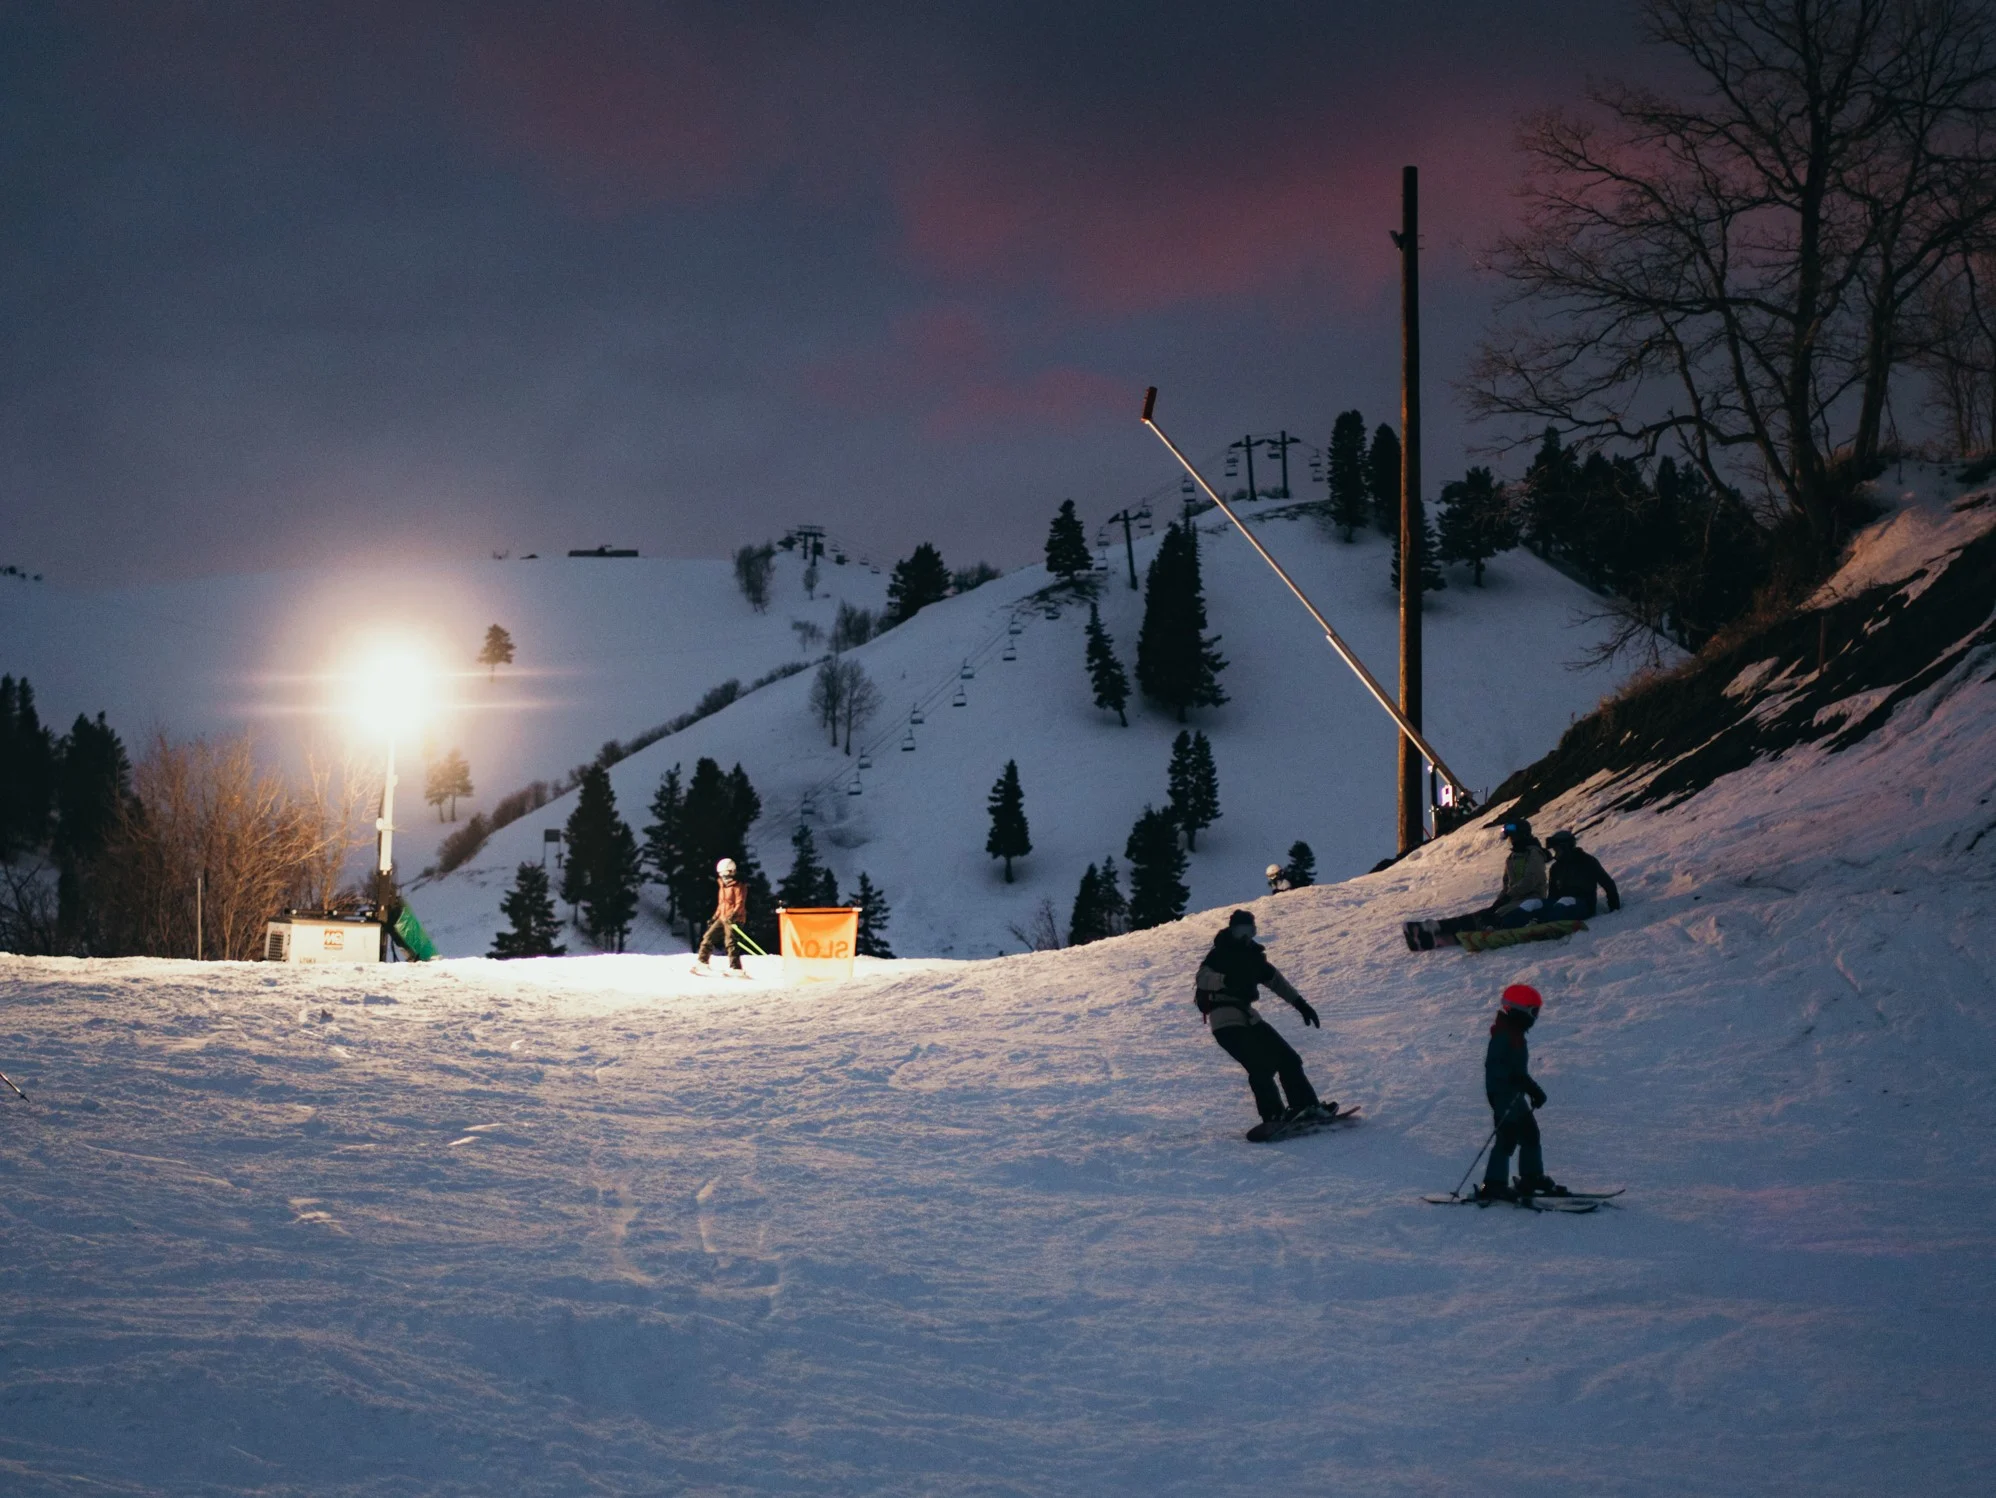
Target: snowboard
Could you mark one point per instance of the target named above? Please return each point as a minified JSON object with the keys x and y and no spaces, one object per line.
{"x":1263,"y":1133}
{"x":1483,"y":941}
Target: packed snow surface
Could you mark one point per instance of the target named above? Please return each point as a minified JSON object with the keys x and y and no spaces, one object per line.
{"x":601,"y":1225}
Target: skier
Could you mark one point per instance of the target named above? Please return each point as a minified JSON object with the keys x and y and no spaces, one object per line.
{"x":1520,"y":898}
{"x":1278,"y":879}
{"x":1574,"y":877}
{"x":1514,"y":1097}
{"x":730,"y":910}
{"x":1228,"y":981}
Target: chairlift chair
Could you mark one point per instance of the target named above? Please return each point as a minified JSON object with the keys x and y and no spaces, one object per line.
{"x":968,"y":673}
{"x":959,"y":699}
{"x":1011,"y":652}
{"x":854,"y":788}
{"x":1052,"y":611}
{"x":1015,"y":628}
{"x":915,"y":716}
{"x":908,"y":744}
{"x":865,"y":760}
{"x":809,"y":809}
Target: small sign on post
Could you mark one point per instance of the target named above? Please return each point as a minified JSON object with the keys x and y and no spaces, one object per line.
{"x":818,"y":943}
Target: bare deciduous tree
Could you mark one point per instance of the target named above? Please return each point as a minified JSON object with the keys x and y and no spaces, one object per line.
{"x":258,"y":843}
{"x":1957,"y":348}
{"x":1735,"y":271}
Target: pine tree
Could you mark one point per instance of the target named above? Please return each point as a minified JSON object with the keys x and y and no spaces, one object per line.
{"x":1099,"y":908}
{"x":436,"y":785}
{"x":1105,"y":672}
{"x":496,"y":652}
{"x":871,"y":940}
{"x":530,"y":908}
{"x":1476,"y":521}
{"x":1552,"y":500}
{"x":1432,"y":580}
{"x":1177,"y":663}
{"x":1009,"y":837}
{"x":1193,"y":783}
{"x":1345,"y":472}
{"x":918,"y":580}
{"x":1301,"y":870}
{"x":27,"y":769}
{"x":1382,"y":479}
{"x":92,"y":789}
{"x":804,"y":886}
{"x":1068,"y":556}
{"x":664,"y":852}
{"x":457,"y":779}
{"x":1157,"y":871}
{"x":602,"y":873}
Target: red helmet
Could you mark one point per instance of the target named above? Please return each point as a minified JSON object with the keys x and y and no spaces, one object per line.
{"x":1522,"y":996}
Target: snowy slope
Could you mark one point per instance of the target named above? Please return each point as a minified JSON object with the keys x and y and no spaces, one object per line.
{"x":989,"y":1228}
{"x":605,"y":649}
{"x":1302,"y":751}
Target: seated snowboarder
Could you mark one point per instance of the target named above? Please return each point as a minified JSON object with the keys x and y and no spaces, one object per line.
{"x":1278,"y":878}
{"x":1520,"y":898}
{"x":1228,"y":984}
{"x":730,"y":910}
{"x":1514,"y":1097}
{"x":1573,"y":879}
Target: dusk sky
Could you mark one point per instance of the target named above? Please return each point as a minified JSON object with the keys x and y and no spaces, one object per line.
{"x":284,"y":282}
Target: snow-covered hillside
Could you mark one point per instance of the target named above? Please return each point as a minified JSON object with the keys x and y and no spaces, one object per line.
{"x":989,"y":1228}
{"x":605,"y":648}
{"x":1302,"y":751}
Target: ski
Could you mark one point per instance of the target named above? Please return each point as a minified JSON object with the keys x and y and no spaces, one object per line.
{"x":1574,"y":1206}
{"x":1263,"y":1133}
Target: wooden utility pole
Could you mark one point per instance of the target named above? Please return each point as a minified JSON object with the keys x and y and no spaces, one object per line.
{"x":1413,"y":787}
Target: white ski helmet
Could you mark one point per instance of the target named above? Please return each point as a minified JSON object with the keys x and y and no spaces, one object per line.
{"x":1273,"y":871}
{"x":725,"y":868}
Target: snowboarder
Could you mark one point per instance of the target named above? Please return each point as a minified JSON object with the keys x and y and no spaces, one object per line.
{"x":1574,"y":877}
{"x":1278,"y":879}
{"x":1520,"y":898}
{"x":730,"y":910}
{"x":1514,"y":1098}
{"x":1228,"y":984}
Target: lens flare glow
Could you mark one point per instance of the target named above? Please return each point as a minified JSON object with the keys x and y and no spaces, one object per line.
{"x":391,"y":688}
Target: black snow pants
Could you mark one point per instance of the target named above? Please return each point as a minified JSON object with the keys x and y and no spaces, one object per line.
{"x":1266,"y":1056}
{"x":1517,"y":1129}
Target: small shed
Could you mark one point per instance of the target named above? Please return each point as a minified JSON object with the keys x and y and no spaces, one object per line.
{"x":300,"y":937}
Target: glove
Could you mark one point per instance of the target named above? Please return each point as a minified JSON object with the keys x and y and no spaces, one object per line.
{"x":1309,"y":1015}
{"x":1538,"y":1097}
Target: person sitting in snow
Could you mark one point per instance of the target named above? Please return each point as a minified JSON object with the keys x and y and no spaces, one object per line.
{"x":1514,"y":1098}
{"x":1228,"y":984}
{"x":730,"y":910}
{"x":1573,"y":878}
{"x":1278,"y":879}
{"x":1520,"y":898}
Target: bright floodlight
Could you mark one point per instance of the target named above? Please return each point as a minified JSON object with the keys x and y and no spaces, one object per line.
{"x":391,"y":689}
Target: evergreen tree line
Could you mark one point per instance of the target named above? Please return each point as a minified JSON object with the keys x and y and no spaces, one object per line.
{"x":696,"y":822}
{"x":1157,"y":851}
{"x":101,"y":857}
{"x":1679,"y":556}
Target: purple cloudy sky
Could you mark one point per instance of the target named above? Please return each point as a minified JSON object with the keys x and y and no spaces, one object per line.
{"x":283,"y":280}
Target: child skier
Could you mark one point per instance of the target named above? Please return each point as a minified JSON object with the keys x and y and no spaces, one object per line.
{"x":730,"y":910}
{"x":1228,"y":985}
{"x":1513,"y":1095}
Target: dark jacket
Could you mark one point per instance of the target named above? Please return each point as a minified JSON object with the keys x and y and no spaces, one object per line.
{"x":1575,"y":875}
{"x":1230,"y":980}
{"x":1506,"y":1065}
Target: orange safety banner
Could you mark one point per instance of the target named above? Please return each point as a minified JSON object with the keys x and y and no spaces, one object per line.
{"x":818,"y":943}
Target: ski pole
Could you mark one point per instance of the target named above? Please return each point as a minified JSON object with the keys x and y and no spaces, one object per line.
{"x":747,"y":940}
{"x":10,"y":1082}
{"x":1502,"y":1118}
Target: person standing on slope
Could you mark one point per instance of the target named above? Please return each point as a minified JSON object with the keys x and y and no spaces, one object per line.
{"x":1228,"y":985}
{"x":1573,"y":878}
{"x":730,"y":910}
{"x":1514,"y":1097}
